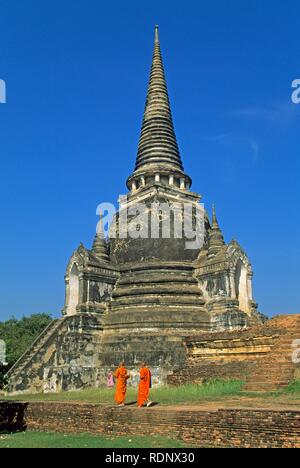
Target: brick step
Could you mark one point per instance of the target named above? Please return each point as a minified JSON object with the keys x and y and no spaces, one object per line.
{"x":258,"y":377}
{"x":281,"y":383}
{"x":270,"y":369}
{"x":272,"y":385}
{"x":153,"y":289}
{"x":163,"y":299}
{"x":284,"y":362}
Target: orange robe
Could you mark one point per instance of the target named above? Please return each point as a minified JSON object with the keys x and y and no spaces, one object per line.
{"x":121,"y":386}
{"x":144,"y":386}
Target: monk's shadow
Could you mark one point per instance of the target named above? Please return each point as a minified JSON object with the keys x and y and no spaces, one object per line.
{"x":134,"y":403}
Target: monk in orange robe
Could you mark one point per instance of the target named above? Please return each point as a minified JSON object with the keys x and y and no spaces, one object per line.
{"x":144,"y":386}
{"x":122,"y":376}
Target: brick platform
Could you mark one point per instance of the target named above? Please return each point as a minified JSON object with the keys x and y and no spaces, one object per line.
{"x":260,"y":356}
{"x":200,"y":427}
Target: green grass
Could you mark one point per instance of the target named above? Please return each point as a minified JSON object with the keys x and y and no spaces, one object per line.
{"x":187,"y":394}
{"x":293,"y":388}
{"x":290,"y":393}
{"x":184,"y":394}
{"x":163,"y":395}
{"x":51,"y":440}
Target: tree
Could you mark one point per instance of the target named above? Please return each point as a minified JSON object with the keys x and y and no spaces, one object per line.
{"x":19,"y":334}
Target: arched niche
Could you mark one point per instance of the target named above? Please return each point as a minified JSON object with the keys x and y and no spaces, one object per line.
{"x":241,"y":286}
{"x":73,"y":298}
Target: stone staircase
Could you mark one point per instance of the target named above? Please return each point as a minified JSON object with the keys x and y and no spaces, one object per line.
{"x":65,"y":356}
{"x":38,"y":344}
{"x":277,"y":369}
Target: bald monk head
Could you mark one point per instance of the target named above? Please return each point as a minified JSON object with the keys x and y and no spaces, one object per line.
{"x":122,"y":364}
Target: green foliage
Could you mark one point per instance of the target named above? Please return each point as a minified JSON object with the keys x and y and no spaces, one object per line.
{"x":48,"y":440}
{"x":19,"y":334}
{"x":293,"y":387}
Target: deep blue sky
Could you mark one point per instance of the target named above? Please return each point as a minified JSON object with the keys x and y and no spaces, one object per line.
{"x":76,"y":74}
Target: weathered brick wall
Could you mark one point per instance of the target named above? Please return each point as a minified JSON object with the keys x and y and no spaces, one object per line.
{"x":225,"y":355}
{"x":261,"y":356}
{"x":197,"y":427}
{"x":197,"y":373}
